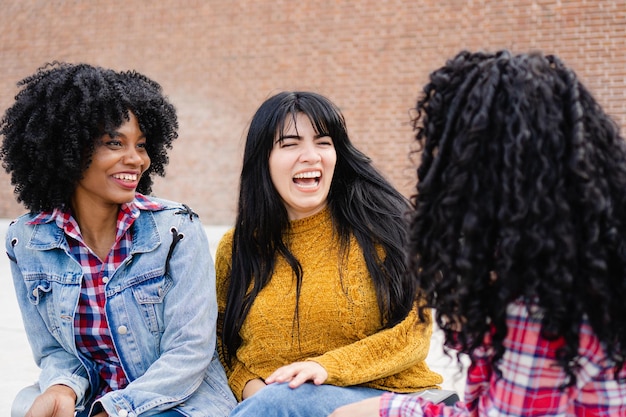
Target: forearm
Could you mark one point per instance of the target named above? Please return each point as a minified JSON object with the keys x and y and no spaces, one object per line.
{"x":58,"y":365}
{"x":239,"y":378}
{"x":387,"y":352}
{"x":252,"y":387}
{"x":57,"y":400}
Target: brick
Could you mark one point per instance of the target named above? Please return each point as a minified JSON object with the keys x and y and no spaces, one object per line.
{"x":218,"y":60}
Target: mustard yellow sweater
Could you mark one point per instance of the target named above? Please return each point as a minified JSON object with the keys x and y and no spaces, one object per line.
{"x":339,"y":325}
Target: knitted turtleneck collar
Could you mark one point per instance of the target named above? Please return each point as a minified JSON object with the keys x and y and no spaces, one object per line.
{"x":311,"y":222}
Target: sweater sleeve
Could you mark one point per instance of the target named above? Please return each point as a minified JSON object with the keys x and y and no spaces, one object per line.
{"x":222,"y":272}
{"x":238,"y":374}
{"x":383,"y":354}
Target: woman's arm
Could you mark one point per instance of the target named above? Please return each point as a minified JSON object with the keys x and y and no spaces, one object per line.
{"x":382,"y":354}
{"x":189,"y":313}
{"x":242,"y":381}
{"x":388,"y":362}
{"x":397,"y":405}
{"x":56,"y":401}
{"x":252,"y":387}
{"x":365,"y":408}
{"x":58,"y":366}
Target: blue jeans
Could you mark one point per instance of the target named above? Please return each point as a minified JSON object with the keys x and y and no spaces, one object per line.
{"x":308,"y":400}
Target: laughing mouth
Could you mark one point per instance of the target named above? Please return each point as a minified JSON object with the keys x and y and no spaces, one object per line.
{"x":308,"y":179}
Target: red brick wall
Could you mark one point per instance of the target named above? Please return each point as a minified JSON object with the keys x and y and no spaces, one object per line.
{"x":218,"y":60}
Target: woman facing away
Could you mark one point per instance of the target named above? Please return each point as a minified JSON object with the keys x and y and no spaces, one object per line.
{"x":518,"y":239}
{"x":116,"y":289}
{"x":315,"y":307}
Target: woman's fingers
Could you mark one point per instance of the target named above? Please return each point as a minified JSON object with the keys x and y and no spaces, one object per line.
{"x":298,"y":373}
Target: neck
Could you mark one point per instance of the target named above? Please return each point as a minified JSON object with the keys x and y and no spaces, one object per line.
{"x":97,"y":226}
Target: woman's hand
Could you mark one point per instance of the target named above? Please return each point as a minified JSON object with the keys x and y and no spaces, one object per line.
{"x":56,"y":401}
{"x":298,"y":373}
{"x":363,"y":408}
{"x":252,"y":387}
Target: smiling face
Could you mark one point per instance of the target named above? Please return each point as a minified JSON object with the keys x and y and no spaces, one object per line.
{"x":301,"y":163}
{"x":117,"y":163}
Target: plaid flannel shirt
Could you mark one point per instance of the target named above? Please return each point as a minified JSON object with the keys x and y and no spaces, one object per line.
{"x":530,"y":380}
{"x":93,"y":337}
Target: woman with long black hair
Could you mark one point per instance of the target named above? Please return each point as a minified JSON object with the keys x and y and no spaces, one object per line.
{"x":315,"y":304}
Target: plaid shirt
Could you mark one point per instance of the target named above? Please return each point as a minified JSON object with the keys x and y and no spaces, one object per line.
{"x":530,"y":380}
{"x":93,"y":337}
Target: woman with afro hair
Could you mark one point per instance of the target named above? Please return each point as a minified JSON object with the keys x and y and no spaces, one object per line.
{"x":518,"y":239}
{"x":116,"y":289}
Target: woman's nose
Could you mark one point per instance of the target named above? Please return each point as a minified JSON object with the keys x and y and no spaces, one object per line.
{"x":132,"y":156}
{"x":310,"y":154}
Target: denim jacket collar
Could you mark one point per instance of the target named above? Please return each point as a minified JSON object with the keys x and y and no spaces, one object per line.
{"x":146,"y":235}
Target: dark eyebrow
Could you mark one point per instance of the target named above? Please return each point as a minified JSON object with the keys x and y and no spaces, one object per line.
{"x":118,"y":134}
{"x":321,"y":135}
{"x":283,"y":137}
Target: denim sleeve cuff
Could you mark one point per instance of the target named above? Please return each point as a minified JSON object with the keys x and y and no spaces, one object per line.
{"x":78,"y":384}
{"x":114,"y":405}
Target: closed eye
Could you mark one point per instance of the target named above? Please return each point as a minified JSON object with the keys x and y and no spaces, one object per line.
{"x":324,"y":140}
{"x":286,"y":142}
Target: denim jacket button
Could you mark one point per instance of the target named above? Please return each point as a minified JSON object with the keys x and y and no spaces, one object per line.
{"x":122,"y":413}
{"x":122,"y":330}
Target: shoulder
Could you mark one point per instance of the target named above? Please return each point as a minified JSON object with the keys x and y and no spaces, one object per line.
{"x":22,"y":225}
{"x":225,"y":245}
{"x":166,"y":205}
{"x":223,"y":262}
{"x":21,"y":221}
{"x":165,"y":217}
{"x":44,"y":235}
{"x":163,"y":208}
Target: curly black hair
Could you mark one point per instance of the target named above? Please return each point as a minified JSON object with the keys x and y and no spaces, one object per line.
{"x":520,"y":195}
{"x":51,"y":129}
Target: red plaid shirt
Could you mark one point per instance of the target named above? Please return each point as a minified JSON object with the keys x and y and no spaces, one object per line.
{"x":93,"y":337}
{"x":530,"y":380}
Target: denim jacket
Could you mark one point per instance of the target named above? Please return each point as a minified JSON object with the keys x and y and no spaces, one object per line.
{"x":160,"y":306}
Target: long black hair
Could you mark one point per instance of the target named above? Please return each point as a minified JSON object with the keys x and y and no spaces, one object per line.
{"x":361,"y":202}
{"x":520,"y":195}
{"x":51,"y":129}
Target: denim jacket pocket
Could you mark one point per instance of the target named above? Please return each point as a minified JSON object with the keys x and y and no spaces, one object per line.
{"x":37,"y":286}
{"x":149,"y":295}
{"x":54,"y":296}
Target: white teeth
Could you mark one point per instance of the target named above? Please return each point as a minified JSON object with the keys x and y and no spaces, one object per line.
{"x":126,"y":177}
{"x":310,"y":174}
